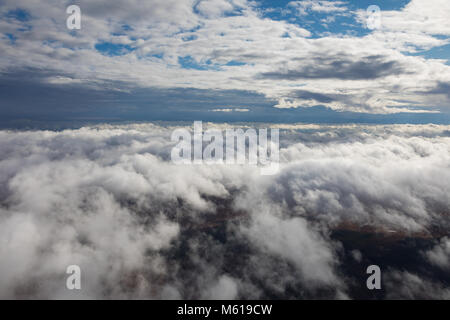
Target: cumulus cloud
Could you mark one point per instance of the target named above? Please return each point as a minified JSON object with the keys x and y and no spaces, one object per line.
{"x":408,"y":286}
{"x":225,"y":289}
{"x":215,"y":8}
{"x":370,"y":67}
{"x":232,"y":45}
{"x":418,"y":18}
{"x":109,"y":199}
{"x":318,"y":6}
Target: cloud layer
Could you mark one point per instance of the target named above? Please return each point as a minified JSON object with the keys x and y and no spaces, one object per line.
{"x":108,"y":199}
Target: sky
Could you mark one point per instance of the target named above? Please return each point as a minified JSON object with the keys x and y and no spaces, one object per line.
{"x":225,"y":60}
{"x":364,"y":152}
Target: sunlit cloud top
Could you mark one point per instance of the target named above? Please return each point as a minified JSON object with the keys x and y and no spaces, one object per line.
{"x":273,"y":58}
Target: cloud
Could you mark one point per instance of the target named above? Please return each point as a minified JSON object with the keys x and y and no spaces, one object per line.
{"x":441,"y":88}
{"x":108,"y":199}
{"x":226,"y":288}
{"x":370,"y":67}
{"x":417,"y":17}
{"x":316,"y":96}
{"x":292,"y":239}
{"x":408,"y":286}
{"x":345,"y":181}
{"x":215,"y":8}
{"x":440,"y":254}
{"x":231,"y":110}
{"x":317,"y":6}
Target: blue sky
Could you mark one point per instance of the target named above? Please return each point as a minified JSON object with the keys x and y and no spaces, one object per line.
{"x":225,"y":60}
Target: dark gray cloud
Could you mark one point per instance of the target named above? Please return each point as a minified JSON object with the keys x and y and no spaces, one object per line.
{"x":340,"y":67}
{"x":441,"y":88}
{"x":108,"y":199}
{"x":309,"y":95}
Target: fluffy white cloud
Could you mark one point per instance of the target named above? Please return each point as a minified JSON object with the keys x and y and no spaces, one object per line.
{"x":440,"y":254}
{"x":318,"y":6}
{"x":108,"y":199}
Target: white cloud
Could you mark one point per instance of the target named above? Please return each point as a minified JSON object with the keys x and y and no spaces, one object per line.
{"x":408,"y":286}
{"x":440,"y":254}
{"x":108,"y":198}
{"x":304,"y":6}
{"x":226,"y":288}
{"x":231,"y":110}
